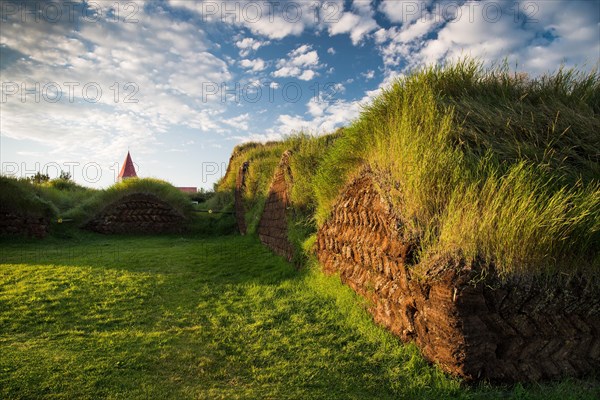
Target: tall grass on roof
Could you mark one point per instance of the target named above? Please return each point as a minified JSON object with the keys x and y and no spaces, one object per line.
{"x":263,"y":160}
{"x":266,"y":156}
{"x":19,"y":195}
{"x":487,"y":165}
{"x":64,"y":193}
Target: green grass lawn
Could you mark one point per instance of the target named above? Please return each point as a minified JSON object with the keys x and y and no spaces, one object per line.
{"x":189,"y":317}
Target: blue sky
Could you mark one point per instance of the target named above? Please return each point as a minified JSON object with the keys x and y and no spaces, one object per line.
{"x":179,"y":83}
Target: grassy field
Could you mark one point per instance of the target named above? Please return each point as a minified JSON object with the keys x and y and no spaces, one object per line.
{"x":191,"y":317}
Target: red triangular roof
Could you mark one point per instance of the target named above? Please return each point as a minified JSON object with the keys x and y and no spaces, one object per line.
{"x":128,"y":170}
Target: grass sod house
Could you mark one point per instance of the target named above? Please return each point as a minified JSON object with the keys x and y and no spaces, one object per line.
{"x":464,"y":204}
{"x":137,"y":205}
{"x":484,"y":164}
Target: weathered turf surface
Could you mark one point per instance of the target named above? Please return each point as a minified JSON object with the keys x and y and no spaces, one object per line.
{"x":171,"y":317}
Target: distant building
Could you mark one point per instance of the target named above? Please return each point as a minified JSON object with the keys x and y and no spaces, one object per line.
{"x":128,"y":170}
{"x":188,"y":189}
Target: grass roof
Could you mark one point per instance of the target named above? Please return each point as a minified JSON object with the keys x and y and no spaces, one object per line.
{"x":19,"y":195}
{"x":485,"y":164}
{"x":488,"y":165}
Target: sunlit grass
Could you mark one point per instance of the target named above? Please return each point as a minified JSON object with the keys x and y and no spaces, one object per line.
{"x":177,"y":318}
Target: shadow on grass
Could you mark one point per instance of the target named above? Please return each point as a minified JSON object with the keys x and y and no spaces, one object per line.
{"x":201,"y":317}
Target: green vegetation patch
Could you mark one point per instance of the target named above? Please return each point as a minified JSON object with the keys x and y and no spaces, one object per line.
{"x":20,"y":196}
{"x":307,"y":152}
{"x":64,"y":193}
{"x":186,"y":318}
{"x":487,"y":165}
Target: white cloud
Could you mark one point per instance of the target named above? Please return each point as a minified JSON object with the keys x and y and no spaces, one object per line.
{"x":158,"y":63}
{"x":323,"y":117}
{"x":255,"y":65}
{"x":381,"y":36}
{"x":337,"y":89}
{"x":331,"y":51}
{"x":239,"y":122}
{"x":556,"y":32}
{"x":285,"y":71}
{"x":326,"y":117}
{"x":307,"y":75}
{"x":416,"y":30}
{"x":370,"y":74}
{"x":275,"y":20}
{"x":257,"y":137}
{"x":292,"y":123}
{"x":247,"y":45}
{"x":404,"y":12}
{"x":358,"y":22}
{"x":304,"y":56}
{"x":326,"y":113}
{"x":278,"y":28}
{"x":301,"y":63}
{"x":315,"y":108}
{"x":401,"y":43}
